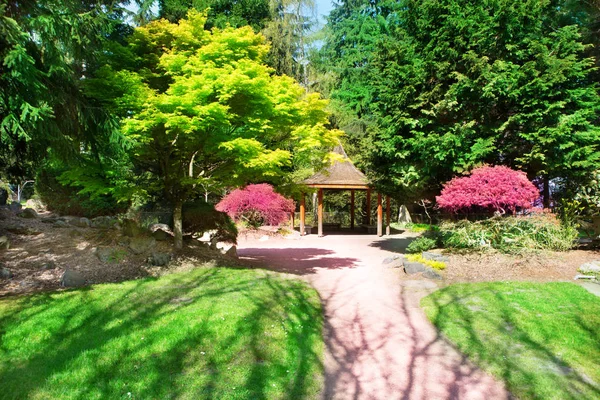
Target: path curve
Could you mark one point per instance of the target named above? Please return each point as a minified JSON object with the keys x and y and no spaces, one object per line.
{"x":379,"y":344}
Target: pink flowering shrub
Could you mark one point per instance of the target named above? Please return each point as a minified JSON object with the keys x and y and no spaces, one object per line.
{"x":496,"y":188}
{"x":257,"y":204}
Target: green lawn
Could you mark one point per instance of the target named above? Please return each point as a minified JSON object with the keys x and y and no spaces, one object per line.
{"x":543,"y":340}
{"x":213,"y":333}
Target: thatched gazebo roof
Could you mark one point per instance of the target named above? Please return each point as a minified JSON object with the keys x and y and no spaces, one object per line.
{"x":339,"y":175}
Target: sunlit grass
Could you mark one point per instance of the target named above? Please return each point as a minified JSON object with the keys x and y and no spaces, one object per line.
{"x":211,"y":333}
{"x":543,"y":340}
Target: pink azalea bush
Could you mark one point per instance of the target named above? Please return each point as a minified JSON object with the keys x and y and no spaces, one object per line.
{"x":496,"y":188}
{"x":257,"y":205}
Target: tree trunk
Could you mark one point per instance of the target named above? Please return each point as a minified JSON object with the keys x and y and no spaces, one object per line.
{"x":546,"y":193}
{"x":177,"y":224}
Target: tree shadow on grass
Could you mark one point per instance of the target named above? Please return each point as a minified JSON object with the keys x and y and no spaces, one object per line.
{"x":498,"y":342}
{"x":301,"y":261}
{"x":171,"y":338}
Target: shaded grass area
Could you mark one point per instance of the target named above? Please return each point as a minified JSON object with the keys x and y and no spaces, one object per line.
{"x":213,"y":333}
{"x":543,"y":340}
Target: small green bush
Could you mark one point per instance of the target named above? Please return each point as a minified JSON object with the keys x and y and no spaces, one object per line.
{"x":199,"y":217}
{"x":420,"y":245}
{"x":418,"y":228}
{"x":542,"y":231}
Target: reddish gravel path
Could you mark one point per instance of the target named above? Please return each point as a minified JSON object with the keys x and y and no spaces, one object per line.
{"x":379,"y":343}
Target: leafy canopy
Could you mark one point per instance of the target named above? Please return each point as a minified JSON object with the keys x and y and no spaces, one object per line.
{"x":201,"y":107}
{"x":453,"y":85}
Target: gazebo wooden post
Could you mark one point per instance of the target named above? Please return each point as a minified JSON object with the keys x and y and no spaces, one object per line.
{"x":388,"y":215}
{"x":320,"y":212}
{"x":379,"y":216}
{"x":352,"y":209}
{"x":302,"y":214}
{"x":368,"y":210}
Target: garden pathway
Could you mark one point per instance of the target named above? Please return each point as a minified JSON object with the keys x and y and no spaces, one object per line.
{"x":380,"y":344}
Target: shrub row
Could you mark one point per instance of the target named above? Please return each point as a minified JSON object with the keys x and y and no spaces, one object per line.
{"x":509,"y":234}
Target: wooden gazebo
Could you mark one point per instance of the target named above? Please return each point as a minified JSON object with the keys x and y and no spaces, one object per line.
{"x":343,"y":175}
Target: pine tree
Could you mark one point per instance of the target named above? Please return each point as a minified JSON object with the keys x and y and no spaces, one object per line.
{"x":47,"y":48}
{"x":460,"y":85}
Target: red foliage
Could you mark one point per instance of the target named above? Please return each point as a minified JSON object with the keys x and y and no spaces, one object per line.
{"x":496,"y":188}
{"x":257,"y":204}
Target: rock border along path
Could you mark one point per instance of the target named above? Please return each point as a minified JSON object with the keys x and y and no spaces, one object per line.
{"x":379,"y":343}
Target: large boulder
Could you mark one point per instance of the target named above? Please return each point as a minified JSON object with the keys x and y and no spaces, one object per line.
{"x":394,"y":262}
{"x":403,"y":215}
{"x":80,"y":222}
{"x":161,"y":232}
{"x":15,"y":207}
{"x":60,"y":224}
{"x":105,"y":222}
{"x":131,"y":228}
{"x":4,"y":243}
{"x":71,"y":278}
{"x":592,"y":267}
{"x":5,"y":273}
{"x":159,"y":259}
{"x":429,"y":255}
{"x":413,"y":267}
{"x":28,"y":213}
{"x":141,"y":245}
{"x":430,"y":273}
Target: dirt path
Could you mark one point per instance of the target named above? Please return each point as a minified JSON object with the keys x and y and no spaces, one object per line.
{"x":379,"y":343}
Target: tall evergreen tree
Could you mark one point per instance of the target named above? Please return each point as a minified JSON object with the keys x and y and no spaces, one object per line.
{"x":47,"y":48}
{"x":463,"y":83}
{"x":288,"y":33}
{"x":350,"y":39}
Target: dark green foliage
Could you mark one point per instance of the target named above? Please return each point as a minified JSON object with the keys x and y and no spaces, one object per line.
{"x":255,"y":13}
{"x":509,"y":234}
{"x":47,"y":47}
{"x":343,"y":65}
{"x":69,"y":200}
{"x":199,"y":217}
{"x":421,"y":244}
{"x":458,"y":85}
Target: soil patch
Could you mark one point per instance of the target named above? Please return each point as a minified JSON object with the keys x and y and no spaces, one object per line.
{"x":542,"y":267}
{"x":40,"y":251}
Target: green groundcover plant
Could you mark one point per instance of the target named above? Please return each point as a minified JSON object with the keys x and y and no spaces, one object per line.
{"x":421,"y":244}
{"x":538,"y":231}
